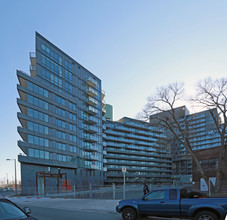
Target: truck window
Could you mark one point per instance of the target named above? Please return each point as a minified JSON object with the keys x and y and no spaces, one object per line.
{"x":172,"y":194}
{"x":160,"y":194}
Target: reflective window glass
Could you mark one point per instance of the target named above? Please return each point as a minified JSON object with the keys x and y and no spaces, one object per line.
{"x":10,"y":211}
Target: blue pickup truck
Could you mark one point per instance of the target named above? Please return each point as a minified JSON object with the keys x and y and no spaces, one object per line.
{"x":174,"y":203}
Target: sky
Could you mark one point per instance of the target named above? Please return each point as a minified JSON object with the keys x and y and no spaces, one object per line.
{"x":132,"y":46}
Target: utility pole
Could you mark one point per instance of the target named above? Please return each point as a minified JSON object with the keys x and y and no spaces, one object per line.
{"x":15,"y":173}
{"x":7,"y":180}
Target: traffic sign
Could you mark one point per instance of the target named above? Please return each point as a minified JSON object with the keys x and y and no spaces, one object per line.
{"x":123,"y":169}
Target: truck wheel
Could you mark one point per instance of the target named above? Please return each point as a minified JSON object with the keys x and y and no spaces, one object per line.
{"x":205,"y":215}
{"x":129,"y":214}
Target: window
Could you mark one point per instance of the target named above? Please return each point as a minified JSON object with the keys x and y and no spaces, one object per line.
{"x":72,"y":138}
{"x":37,"y":127}
{"x":37,"y":89}
{"x":60,"y":146}
{"x":41,"y":154}
{"x":60,"y":100}
{"x":36,"y":153}
{"x":38,"y":141}
{"x":60,"y":111}
{"x":30,"y":152}
{"x":72,"y":127}
{"x":38,"y":102}
{"x":68,"y":87}
{"x":172,"y":194}
{"x":52,"y":66}
{"x":160,"y":194}
{"x":68,"y":76}
{"x":210,"y":164}
{"x":72,"y":116}
{"x":10,"y":211}
{"x":47,"y":155}
{"x":60,"y":134}
{"x":51,"y":77}
{"x":60,"y":123}
{"x":72,"y":106}
{"x":51,"y":53}
{"x":68,"y":65}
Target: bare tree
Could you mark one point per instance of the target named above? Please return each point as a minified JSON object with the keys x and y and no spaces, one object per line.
{"x":162,"y":111}
{"x":213,"y":94}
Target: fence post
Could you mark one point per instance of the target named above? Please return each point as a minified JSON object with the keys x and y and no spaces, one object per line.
{"x":114,"y":191}
{"x":124,"y":186}
{"x":90,"y":190}
{"x":74,"y":188}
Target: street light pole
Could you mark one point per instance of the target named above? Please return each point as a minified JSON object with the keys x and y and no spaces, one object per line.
{"x":15,"y":167}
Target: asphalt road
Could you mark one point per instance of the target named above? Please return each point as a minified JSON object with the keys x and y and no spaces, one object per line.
{"x":62,"y":210}
{"x":58,"y":214}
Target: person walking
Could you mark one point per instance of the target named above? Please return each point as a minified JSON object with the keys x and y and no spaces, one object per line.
{"x":145,"y":189}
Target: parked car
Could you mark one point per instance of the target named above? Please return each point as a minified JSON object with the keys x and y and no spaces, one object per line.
{"x":174,"y":202}
{"x":9,"y":210}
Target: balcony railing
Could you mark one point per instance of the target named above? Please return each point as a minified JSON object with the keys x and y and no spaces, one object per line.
{"x":103,"y":94}
{"x":32,"y":58}
{"x":90,"y":147}
{"x":91,"y":92}
{"x":32,"y":68}
{"x":32,"y":54}
{"x":92,"y":110}
{"x":90,"y":138}
{"x":92,"y":101}
{"x":91,"y":157}
{"x":91,"y":82}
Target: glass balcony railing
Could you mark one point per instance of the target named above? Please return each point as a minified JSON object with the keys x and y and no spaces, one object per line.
{"x":103,"y":94}
{"x":92,"y":82}
{"x":92,"y":110}
{"x":91,"y":157}
{"x":90,"y":119}
{"x":91,"y":92}
{"x":32,"y":68}
{"x":92,"y":101}
{"x":104,"y":152}
{"x":90,"y":138}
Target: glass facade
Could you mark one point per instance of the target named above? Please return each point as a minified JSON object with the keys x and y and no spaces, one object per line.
{"x":61,"y":112}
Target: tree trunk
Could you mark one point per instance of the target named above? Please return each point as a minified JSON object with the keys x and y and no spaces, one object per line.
{"x":221,"y":157}
{"x":218,"y":182}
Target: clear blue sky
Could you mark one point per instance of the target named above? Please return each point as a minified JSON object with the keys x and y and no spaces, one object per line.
{"x":132,"y":46}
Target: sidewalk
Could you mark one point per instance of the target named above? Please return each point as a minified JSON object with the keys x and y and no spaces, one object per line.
{"x":84,"y":205}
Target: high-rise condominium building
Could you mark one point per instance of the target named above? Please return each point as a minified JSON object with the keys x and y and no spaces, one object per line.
{"x":201,"y":132}
{"x":139,"y":147}
{"x":60,"y":118}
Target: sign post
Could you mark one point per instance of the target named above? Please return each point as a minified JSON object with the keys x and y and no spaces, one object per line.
{"x":124,"y":171}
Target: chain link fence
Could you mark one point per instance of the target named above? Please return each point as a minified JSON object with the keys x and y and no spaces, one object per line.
{"x":114,"y":191}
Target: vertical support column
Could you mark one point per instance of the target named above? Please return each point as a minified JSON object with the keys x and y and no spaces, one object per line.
{"x":114,"y":190}
{"x":37,"y":192}
{"x":15,"y":175}
{"x":44,"y":184}
{"x":66,"y":187}
{"x":209,"y":189}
